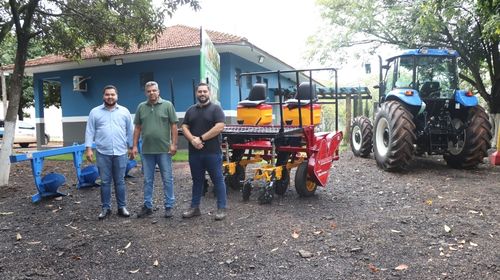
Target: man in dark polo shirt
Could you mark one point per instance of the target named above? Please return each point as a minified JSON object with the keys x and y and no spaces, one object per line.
{"x":202,"y":127}
{"x":156,"y":122}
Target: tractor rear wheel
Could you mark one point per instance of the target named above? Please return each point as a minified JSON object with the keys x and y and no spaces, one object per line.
{"x":303,"y":185}
{"x":471,"y":146}
{"x":361,"y":136}
{"x":394,"y":137}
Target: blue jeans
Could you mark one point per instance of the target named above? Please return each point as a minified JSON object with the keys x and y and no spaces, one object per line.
{"x":164,"y":161}
{"x":112,"y":168}
{"x":199,"y":164}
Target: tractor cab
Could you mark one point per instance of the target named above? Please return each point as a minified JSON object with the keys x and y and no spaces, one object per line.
{"x":419,"y":77}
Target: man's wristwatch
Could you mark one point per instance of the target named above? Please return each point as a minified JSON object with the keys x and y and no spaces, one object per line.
{"x":201,"y":138}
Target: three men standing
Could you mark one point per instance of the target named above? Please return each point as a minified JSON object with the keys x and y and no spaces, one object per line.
{"x":109,"y":126}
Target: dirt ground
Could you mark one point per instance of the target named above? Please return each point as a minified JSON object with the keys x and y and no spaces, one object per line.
{"x":430,"y":223}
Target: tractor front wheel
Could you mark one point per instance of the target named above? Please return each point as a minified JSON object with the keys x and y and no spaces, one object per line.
{"x":471,"y":146}
{"x":361,"y":136}
{"x":303,"y":185}
{"x":394,"y":137}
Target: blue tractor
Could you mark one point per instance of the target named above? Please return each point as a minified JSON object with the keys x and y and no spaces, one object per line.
{"x":422,"y":110}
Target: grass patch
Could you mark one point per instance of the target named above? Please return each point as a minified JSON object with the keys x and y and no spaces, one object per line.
{"x":181,"y":155}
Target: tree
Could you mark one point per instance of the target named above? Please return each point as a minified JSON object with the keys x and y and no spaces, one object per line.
{"x":51,"y":91}
{"x":472,"y":27}
{"x":67,"y":27}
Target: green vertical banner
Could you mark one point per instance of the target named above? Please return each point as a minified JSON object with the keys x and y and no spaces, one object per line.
{"x":209,"y":64}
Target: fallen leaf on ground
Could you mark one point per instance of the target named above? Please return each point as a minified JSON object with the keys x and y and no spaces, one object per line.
{"x":428,"y":202}
{"x":318,"y":232}
{"x":134,"y":271}
{"x":274,"y":249}
{"x":156,"y":263}
{"x":18,"y":236}
{"x":401,"y":267}
{"x":305,"y":254}
{"x":34,"y":242}
{"x":128,"y":245}
{"x":473,"y":212}
{"x":473,"y":244}
{"x":447,"y":228}
{"x":58,"y":198}
{"x":333,"y":225}
{"x":295,"y":234}
{"x":373,"y":268}
{"x":6,"y":213}
{"x":395,"y":231}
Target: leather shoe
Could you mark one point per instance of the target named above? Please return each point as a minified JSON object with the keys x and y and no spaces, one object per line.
{"x":191,"y":212}
{"x":104,"y":213}
{"x":168,"y":212}
{"x":220,"y":215}
{"x":145,"y":211}
{"x":123,"y":212}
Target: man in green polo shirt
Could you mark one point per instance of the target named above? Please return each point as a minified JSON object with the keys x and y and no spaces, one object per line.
{"x":156,"y":123}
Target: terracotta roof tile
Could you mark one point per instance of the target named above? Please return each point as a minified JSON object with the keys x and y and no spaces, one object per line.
{"x":174,"y":37}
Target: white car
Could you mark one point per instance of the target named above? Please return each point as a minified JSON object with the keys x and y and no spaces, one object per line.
{"x":25,"y":134}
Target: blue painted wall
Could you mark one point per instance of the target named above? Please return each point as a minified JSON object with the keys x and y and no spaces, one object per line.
{"x":126,"y":78}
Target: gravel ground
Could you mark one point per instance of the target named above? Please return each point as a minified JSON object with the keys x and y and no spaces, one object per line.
{"x":432,"y":222}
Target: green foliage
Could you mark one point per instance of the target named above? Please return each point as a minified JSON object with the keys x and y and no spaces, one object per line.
{"x":51,"y":90}
{"x":69,"y":26}
{"x":472,"y":27}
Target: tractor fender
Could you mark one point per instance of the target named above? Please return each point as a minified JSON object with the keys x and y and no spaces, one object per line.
{"x":467,"y":101}
{"x":412,"y":99}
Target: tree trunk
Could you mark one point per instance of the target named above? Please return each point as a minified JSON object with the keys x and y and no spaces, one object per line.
{"x":494,"y":103}
{"x":495,"y":130}
{"x":12,"y":110}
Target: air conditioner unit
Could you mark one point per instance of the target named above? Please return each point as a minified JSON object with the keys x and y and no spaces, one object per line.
{"x":79,"y":83}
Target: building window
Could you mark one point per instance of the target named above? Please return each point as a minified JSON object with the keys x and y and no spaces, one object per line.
{"x":259,"y":79}
{"x":145,"y":77}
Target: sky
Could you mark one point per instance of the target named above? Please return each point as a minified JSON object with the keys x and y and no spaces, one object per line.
{"x":280,"y":27}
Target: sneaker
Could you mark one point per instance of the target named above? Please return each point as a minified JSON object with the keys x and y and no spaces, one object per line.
{"x":221,"y":214}
{"x":168,"y":212}
{"x":145,"y":211}
{"x":191,"y":212}
{"x":104,"y":213}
